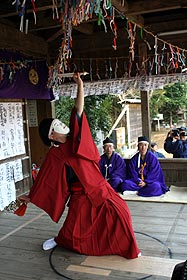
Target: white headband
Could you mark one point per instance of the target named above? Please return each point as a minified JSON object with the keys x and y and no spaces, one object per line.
{"x":59,"y":127}
{"x":146,"y":142}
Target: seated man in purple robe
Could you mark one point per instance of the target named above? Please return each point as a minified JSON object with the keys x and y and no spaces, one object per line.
{"x":112,"y":166}
{"x":145,"y":176}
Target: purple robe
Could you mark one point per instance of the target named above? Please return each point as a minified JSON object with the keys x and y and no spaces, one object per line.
{"x":113,"y":170}
{"x":153,"y":176}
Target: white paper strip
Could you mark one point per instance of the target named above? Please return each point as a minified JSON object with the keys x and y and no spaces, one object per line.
{"x":70,"y":75}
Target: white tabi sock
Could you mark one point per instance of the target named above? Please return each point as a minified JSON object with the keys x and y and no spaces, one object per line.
{"x":49,"y":244}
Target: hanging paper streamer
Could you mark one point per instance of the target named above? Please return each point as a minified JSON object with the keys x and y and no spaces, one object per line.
{"x":132,"y":35}
{"x":91,"y":72}
{"x":55,"y":10}
{"x":22,"y":6}
{"x":34,"y":10}
{"x":22,"y":13}
{"x":182,"y":57}
{"x":148,"y":45}
{"x":106,"y":70}
{"x":97,"y":71}
{"x":26,"y":26}
{"x":116,"y":69}
{"x":172,"y":59}
{"x":163,"y":55}
{"x":16,"y":2}
{"x":110,"y":68}
{"x":156,"y":54}
{"x":113,"y":27}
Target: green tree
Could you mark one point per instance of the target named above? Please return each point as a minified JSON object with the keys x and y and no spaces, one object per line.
{"x":63,"y":108}
{"x":98,"y":109}
{"x":156,"y":102}
{"x":168,"y":101}
{"x":174,"y":100}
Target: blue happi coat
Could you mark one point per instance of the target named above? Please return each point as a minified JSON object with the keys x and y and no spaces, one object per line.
{"x":178,"y":148}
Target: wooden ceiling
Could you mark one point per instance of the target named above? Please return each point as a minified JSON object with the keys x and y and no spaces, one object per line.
{"x":90,"y":40}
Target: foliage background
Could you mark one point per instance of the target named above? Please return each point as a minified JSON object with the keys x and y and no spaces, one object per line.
{"x":169,"y":102}
{"x":99,"y":111}
{"x":103,"y":110}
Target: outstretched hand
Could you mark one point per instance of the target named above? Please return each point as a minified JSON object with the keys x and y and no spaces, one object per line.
{"x":24,"y":198}
{"x":79,"y":101}
{"x":77,"y":78}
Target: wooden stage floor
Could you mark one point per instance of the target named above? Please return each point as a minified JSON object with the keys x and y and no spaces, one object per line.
{"x":160,"y":229}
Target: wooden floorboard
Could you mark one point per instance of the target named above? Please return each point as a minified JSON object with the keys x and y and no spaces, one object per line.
{"x":160,"y":229}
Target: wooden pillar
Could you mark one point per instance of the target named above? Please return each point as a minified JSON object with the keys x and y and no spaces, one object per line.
{"x":146,"y":126}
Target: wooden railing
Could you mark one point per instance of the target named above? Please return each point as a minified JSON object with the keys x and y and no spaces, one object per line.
{"x":175,"y":171}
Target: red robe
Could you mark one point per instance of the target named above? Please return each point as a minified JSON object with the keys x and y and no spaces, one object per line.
{"x":98,"y":220}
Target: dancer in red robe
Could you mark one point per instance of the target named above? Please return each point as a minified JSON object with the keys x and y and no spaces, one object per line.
{"x":98,"y":220}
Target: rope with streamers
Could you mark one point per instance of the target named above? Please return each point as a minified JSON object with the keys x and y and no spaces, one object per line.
{"x":74,"y":12}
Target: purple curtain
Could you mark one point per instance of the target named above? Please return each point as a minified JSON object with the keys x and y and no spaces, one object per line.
{"x":15,"y":81}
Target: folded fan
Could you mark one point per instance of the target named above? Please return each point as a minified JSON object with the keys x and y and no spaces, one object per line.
{"x":16,"y":207}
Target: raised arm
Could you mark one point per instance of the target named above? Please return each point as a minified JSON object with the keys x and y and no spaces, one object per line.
{"x":79,"y":101}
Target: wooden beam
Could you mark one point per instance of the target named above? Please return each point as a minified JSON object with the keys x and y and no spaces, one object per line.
{"x":55,"y":36}
{"x":100,"y":43}
{"x":29,"y":44}
{"x":85,"y":28}
{"x":122,"y":8}
{"x":168,"y":25}
{"x":39,"y":9}
{"x":142,"y":60}
{"x":44,"y":28}
{"x":139,"y":7}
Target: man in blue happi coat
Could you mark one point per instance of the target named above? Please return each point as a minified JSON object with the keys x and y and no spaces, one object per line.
{"x":145,"y":176}
{"x":112,"y":166}
{"x":154,"y":148}
{"x":176,"y":142}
